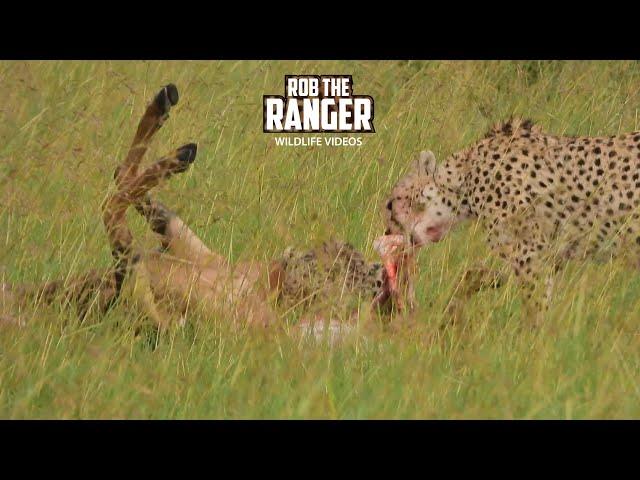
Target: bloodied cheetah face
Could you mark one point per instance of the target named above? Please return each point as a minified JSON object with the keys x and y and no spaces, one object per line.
{"x":418,"y":208}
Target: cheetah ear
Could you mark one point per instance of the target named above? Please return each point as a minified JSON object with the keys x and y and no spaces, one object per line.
{"x":426,"y":163}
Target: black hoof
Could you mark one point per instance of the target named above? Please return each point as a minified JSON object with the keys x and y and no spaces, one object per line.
{"x":187,"y":153}
{"x":166,"y":98}
{"x":172,"y":93}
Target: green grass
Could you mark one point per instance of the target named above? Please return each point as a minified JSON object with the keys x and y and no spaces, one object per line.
{"x":65,"y":125}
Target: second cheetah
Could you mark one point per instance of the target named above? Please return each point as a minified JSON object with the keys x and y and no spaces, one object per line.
{"x":543,"y":199}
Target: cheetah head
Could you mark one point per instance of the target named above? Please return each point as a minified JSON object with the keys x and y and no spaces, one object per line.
{"x":418,"y":208}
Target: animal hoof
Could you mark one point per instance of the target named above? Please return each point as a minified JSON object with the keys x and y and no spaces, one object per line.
{"x":172,"y":93}
{"x":187,"y":153}
{"x":166,"y":98}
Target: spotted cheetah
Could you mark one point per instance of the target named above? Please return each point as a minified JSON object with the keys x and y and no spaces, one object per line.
{"x":184,"y":274}
{"x":542,"y":198}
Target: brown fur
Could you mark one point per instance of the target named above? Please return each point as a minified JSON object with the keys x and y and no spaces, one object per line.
{"x":185,"y":275}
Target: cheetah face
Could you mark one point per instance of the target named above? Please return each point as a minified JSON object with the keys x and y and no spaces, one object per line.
{"x":417,"y":207}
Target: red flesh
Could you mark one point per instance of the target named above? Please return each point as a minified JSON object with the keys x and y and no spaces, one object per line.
{"x":392,"y":274}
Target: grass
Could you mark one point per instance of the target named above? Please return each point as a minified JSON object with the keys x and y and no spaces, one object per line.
{"x":65,"y":125}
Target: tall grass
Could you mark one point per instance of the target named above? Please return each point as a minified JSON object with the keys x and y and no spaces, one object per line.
{"x":65,"y":125}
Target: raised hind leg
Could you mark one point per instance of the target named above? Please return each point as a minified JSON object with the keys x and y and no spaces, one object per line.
{"x":177,"y":238}
{"x":133,"y":187}
{"x":115,"y":207}
{"x":132,"y":192}
{"x":154,"y":117}
{"x":104,"y":287}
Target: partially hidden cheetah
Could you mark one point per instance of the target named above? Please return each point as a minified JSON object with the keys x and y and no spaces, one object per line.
{"x":184,"y":275}
{"x":543,"y":199}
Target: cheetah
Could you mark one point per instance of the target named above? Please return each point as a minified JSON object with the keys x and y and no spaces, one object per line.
{"x":185,"y":275}
{"x":542,"y":199}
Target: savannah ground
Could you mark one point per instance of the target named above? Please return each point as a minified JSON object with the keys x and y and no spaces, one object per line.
{"x":65,"y":125}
